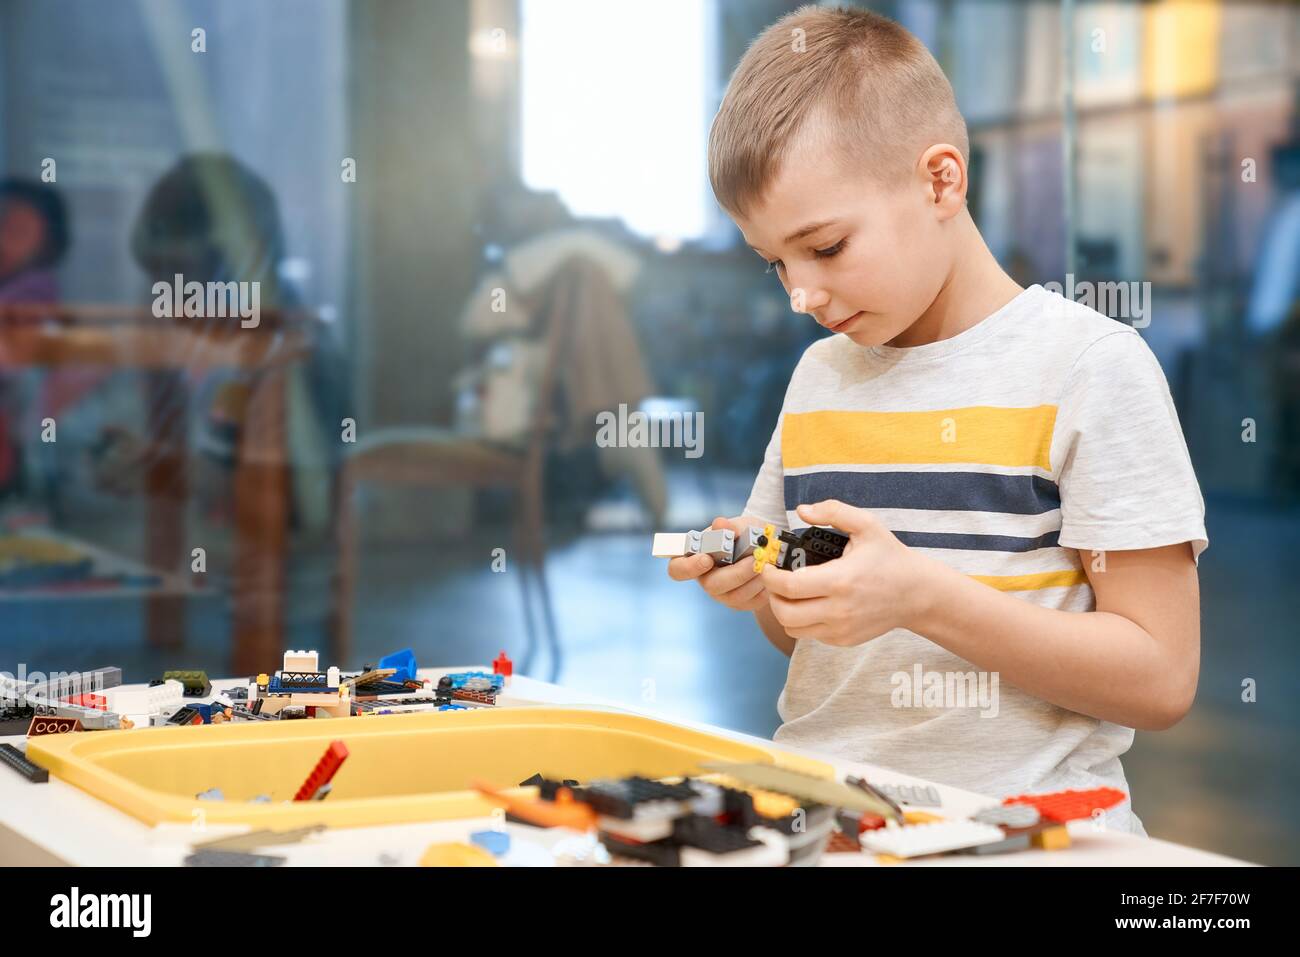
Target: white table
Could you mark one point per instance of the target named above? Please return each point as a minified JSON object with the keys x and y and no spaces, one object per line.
{"x":57,"y":823}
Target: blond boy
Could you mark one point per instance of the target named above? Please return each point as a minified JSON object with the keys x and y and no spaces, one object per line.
{"x":1025,"y":520}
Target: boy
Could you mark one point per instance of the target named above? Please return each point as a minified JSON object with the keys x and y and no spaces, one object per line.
{"x":1023,"y":514}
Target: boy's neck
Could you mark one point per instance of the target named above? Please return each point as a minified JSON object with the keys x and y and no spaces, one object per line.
{"x":974,"y":289}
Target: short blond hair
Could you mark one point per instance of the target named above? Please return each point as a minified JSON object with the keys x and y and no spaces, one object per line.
{"x":869,"y":87}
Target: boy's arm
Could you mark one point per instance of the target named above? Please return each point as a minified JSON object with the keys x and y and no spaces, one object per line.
{"x":1134,"y":661}
{"x":773,"y":630}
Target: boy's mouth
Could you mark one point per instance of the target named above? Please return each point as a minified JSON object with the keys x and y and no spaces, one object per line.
{"x":835,"y":326}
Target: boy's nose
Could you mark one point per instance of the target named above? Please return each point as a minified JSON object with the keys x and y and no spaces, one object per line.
{"x":809,"y":301}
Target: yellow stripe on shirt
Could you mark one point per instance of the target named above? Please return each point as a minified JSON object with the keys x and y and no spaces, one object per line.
{"x":979,"y":434}
{"x":1035,"y":582}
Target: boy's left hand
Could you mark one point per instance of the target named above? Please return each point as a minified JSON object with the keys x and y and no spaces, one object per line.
{"x":873,"y":587}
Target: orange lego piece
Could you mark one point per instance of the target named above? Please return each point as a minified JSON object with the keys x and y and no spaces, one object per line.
{"x":1062,"y":806}
{"x":564,"y":811}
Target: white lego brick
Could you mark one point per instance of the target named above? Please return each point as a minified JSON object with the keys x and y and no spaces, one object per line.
{"x":332,"y":676}
{"x":671,"y":544}
{"x":142,"y":699}
{"x":633,"y":830}
{"x":301,"y":661}
{"x":936,"y":837}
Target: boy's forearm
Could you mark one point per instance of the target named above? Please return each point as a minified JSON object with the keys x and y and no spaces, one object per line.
{"x":773,"y":630}
{"x":1096,"y":663}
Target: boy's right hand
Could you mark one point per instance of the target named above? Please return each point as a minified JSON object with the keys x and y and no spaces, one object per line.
{"x":737,"y":586}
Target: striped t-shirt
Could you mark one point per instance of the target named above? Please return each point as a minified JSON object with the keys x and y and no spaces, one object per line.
{"x":1012,"y":452}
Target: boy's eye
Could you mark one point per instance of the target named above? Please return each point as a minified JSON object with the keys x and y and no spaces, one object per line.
{"x":830,"y":251}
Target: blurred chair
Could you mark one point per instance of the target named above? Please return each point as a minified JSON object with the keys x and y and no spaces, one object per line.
{"x":430,"y":456}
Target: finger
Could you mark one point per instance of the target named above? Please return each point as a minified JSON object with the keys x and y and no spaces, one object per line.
{"x":726,"y":578}
{"x":801,"y":614}
{"x":737,"y":524}
{"x":812,"y":581}
{"x":687,"y":567}
{"x":854,"y":521}
{"x":745,"y":593}
{"x":817,"y":632}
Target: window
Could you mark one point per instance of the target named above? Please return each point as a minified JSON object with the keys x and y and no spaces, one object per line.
{"x":616,"y":107}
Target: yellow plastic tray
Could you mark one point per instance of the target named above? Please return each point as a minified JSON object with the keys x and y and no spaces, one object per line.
{"x":401,"y":768}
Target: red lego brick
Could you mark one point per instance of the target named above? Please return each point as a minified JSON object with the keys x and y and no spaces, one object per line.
{"x":501,"y":665}
{"x":481,"y":697}
{"x":870,"y":822}
{"x":841,"y":843}
{"x":1062,"y":806}
{"x":97,"y":701}
{"x":325,"y":770}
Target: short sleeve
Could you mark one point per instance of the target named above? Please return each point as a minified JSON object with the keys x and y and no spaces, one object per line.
{"x":767,"y":499}
{"x":1119,"y":457}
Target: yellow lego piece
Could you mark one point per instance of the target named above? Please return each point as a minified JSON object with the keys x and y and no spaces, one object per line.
{"x":455,"y":854}
{"x":1051,"y":839}
{"x":921,"y":817}
{"x":767,"y":553}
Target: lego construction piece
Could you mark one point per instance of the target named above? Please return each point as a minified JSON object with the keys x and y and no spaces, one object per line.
{"x":261,"y":838}
{"x":917,"y":795}
{"x":893,"y":810}
{"x":916,"y":840}
{"x":195,"y":683}
{"x":455,"y":854}
{"x":841,"y":843}
{"x":402,"y":662}
{"x":1008,"y":815}
{"x":374,"y":676}
{"x":790,"y":550}
{"x":323,"y":773}
{"x":803,"y":786}
{"x":164,"y":696}
{"x":52,"y":724}
{"x":1056,"y":838}
{"x":18,"y":761}
{"x":186,"y":715}
{"x":1062,"y":806}
{"x":562,"y":811}
{"x":496,"y":843}
{"x":723,"y":545}
{"x":291,"y":681}
{"x":231,"y":859}
{"x":301,"y":661}
{"x":503,"y":666}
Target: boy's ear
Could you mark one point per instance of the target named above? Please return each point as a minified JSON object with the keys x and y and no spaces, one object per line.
{"x":943,"y":171}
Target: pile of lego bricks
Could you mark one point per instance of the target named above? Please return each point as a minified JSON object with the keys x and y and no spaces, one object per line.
{"x":695,"y":822}
{"x":94,"y":701}
{"x":754,"y":815}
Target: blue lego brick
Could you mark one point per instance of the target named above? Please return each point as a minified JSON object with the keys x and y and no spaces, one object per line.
{"x":275,"y":686}
{"x":403,"y":661}
{"x":495,"y":843}
{"x":474,"y":681}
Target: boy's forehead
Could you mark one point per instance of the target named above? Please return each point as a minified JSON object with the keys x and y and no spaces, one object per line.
{"x":804,"y":192}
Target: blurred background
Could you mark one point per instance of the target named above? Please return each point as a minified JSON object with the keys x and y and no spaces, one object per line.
{"x":475,"y":225}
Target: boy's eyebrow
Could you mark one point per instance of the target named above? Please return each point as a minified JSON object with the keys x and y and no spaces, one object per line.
{"x":803,"y":231}
{"x":809,"y":229}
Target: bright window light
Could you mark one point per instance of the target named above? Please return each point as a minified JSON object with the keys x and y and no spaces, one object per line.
{"x":615,"y":110}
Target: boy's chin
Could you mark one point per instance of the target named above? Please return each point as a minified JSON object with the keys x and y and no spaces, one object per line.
{"x":867,"y":338}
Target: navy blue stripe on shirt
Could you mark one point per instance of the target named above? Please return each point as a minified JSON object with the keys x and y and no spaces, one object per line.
{"x":940,"y":491}
{"x":986,"y":543}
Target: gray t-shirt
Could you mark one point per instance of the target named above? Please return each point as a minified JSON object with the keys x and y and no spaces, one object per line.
{"x":1015,"y":452}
